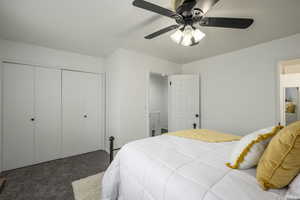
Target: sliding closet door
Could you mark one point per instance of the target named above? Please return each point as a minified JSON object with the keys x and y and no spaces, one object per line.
{"x":91,"y":139}
{"x":72,"y":101}
{"x":18,"y":116}
{"x":48,"y":114}
{"x":80,"y":113}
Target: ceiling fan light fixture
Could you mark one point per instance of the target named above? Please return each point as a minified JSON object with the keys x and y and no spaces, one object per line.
{"x":187,"y":36}
{"x":198,"y":35}
{"x":177,"y":36}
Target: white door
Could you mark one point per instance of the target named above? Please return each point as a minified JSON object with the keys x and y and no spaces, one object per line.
{"x":184,"y":102}
{"x":72,"y":112}
{"x":91,"y":137}
{"x":48,"y":114}
{"x":18,"y":116}
{"x":80,"y":112}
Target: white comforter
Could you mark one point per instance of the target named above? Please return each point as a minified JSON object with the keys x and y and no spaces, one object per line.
{"x":173,"y":168}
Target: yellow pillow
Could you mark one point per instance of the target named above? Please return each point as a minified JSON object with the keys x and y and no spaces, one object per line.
{"x":280,"y":162}
{"x":290,"y":108}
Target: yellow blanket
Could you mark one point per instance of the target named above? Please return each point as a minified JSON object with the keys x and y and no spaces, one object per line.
{"x":206,"y":135}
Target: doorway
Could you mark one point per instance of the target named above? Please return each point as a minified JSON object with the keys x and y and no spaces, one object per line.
{"x":289,"y":91}
{"x":173,"y":103}
{"x":158,"y":104}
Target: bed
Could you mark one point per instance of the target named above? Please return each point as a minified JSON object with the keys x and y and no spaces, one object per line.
{"x":174,"y":168}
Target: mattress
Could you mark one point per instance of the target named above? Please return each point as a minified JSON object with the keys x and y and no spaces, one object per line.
{"x":174,"y":168}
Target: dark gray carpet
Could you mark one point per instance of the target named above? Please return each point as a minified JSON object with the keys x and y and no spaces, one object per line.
{"x":52,"y":180}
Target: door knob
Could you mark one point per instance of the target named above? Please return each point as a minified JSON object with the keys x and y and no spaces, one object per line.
{"x":85,"y":116}
{"x":32,"y":119}
{"x":197,"y":115}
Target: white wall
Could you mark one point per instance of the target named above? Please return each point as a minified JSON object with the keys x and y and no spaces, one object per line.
{"x":30,"y":54}
{"x":239,"y":90}
{"x":159,"y":97}
{"x":37,"y":55}
{"x":127,"y":84}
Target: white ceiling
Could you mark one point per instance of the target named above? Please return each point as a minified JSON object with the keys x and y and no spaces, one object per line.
{"x":98,"y":27}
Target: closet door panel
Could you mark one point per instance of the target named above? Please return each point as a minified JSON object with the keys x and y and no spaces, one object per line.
{"x":91,"y":134}
{"x":18,"y":113}
{"x":81,"y":101}
{"x":73,"y":119}
{"x":48,"y":114}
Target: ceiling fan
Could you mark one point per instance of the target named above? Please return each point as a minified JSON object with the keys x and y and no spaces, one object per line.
{"x":187,"y":14}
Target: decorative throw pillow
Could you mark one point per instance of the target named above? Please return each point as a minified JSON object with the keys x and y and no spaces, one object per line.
{"x":249,"y":149}
{"x":290,"y":107}
{"x":280,"y":162}
{"x":293,"y":192}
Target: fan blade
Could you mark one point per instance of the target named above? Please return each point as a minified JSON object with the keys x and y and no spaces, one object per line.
{"x":206,"y":5}
{"x":162,"y":31}
{"x":240,"y":23}
{"x":154,"y":8}
{"x":186,"y":6}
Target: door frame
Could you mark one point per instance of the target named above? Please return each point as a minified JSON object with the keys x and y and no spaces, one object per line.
{"x":288,"y":80}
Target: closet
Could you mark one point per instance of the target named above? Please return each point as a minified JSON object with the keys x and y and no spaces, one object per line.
{"x":31,"y":115}
{"x":80,"y":101}
{"x":49,"y":114}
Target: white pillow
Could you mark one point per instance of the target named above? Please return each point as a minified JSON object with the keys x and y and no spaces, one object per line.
{"x":246,"y":154}
{"x":293,"y":192}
